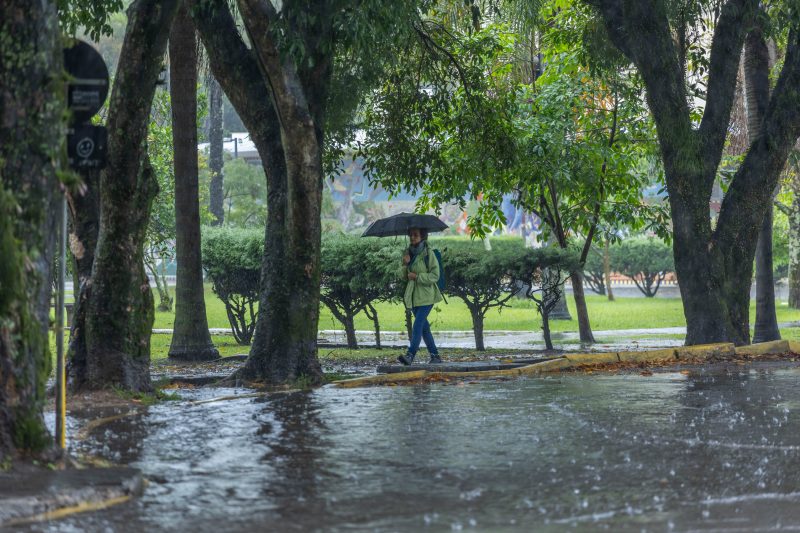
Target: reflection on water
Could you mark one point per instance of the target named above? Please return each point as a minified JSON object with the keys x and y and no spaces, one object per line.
{"x":708,"y":451}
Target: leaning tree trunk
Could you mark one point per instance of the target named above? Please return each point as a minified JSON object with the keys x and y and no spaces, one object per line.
{"x":282,"y":349}
{"x":215,"y":160}
{"x":756,"y":69}
{"x":584,"y":327}
{"x":191,"y":340}
{"x":607,"y":270}
{"x":120,"y":307}
{"x":31,"y":133}
{"x":372,"y":314}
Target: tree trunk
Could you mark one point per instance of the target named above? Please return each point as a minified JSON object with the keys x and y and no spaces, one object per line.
{"x":31,"y":135}
{"x":215,"y":159}
{"x":372,"y":314}
{"x":477,"y":327}
{"x":756,"y":69}
{"x":191,"y":340}
{"x":284,"y":346}
{"x":120,"y":307}
{"x":584,"y":328}
{"x":548,"y":341}
{"x":794,"y":253}
{"x":350,"y":332}
{"x":409,"y":325}
{"x":607,"y":269}
{"x":84,"y":209}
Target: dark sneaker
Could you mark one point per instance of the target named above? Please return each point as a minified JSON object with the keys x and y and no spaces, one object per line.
{"x":406,"y":359}
{"x":435,"y":360}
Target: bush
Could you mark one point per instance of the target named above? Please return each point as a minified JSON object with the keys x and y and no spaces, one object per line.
{"x":232,"y":261}
{"x":542,"y":271}
{"x":646,"y":260}
{"x":355,"y":273}
{"x":481,"y":278}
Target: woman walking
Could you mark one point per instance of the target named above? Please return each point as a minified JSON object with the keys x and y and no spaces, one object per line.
{"x":421,"y":272}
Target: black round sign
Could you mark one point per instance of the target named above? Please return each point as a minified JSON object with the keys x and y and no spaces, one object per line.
{"x":88,"y":84}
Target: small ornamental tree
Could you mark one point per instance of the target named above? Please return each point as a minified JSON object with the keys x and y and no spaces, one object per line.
{"x":232,"y":261}
{"x":543,"y":272}
{"x":645,"y":260}
{"x":353,"y":277}
{"x":481,"y":278}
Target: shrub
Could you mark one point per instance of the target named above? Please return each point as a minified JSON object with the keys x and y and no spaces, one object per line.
{"x":646,"y":260}
{"x":593,"y":272}
{"x":355,"y":273}
{"x":232,"y":261}
{"x":542,"y":271}
{"x":479,"y":277}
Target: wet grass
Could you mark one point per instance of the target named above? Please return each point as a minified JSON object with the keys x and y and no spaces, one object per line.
{"x":623,"y":313}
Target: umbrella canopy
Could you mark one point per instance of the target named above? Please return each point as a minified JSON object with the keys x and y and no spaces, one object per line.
{"x":402,"y":222}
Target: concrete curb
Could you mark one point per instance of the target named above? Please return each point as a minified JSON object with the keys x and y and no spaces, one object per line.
{"x":48,"y":495}
{"x":683,"y":354}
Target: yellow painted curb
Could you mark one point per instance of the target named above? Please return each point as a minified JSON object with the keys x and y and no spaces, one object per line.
{"x":508,"y":372}
{"x":704,"y":351}
{"x":592,"y":358}
{"x":665,"y":354}
{"x":764,"y":348}
{"x":62,"y":512}
{"x":555,"y":365}
{"x":380,"y":378}
{"x":794,"y":346}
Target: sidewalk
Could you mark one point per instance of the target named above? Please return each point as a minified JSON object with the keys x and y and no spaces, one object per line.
{"x":35,"y":495}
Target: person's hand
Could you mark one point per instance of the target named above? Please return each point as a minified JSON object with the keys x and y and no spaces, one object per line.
{"x":406,"y":259}
{"x":412,"y":276}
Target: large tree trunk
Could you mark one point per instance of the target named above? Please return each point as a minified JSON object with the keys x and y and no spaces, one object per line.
{"x":215,"y":159}
{"x":191,"y":340}
{"x":120,"y":307}
{"x":284,"y":346}
{"x":756,"y":77}
{"x":31,"y":133}
{"x":714,"y":267}
{"x":584,"y":327}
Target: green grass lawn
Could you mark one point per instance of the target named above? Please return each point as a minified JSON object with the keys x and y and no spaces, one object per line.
{"x":623,"y":313}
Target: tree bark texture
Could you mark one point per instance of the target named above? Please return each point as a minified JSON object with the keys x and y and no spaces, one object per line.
{"x":756,"y":78}
{"x":31,"y":133}
{"x":714,"y":266}
{"x":584,"y":327}
{"x":477,"y":327}
{"x":794,"y":252}
{"x":284,"y":346}
{"x":607,"y":269}
{"x":120,"y":307}
{"x":84,"y":211}
{"x":191,"y":340}
{"x":215,"y":160}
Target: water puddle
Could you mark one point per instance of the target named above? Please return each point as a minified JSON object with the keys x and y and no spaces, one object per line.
{"x":709,"y":451}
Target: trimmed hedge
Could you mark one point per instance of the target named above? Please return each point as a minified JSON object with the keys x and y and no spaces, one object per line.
{"x":232,"y":261}
{"x":646,"y":260}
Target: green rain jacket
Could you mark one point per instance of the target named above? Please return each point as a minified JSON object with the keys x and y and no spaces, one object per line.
{"x":423,"y":291}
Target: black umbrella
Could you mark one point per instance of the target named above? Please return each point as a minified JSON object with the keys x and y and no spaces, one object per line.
{"x":402,"y":222}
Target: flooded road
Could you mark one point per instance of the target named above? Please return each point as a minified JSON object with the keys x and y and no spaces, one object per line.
{"x":709,"y":451}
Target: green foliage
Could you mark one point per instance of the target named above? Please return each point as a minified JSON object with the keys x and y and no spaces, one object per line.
{"x":646,"y":260}
{"x":232,"y":261}
{"x":780,"y":244}
{"x":356,"y":273}
{"x":245,"y":194}
{"x":593,"y":270}
{"x":91,"y":15}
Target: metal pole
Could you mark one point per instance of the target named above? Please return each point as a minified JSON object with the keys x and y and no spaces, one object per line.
{"x":61,"y":389}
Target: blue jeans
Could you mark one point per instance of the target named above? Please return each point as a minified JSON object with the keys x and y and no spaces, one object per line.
{"x":421,"y":330}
